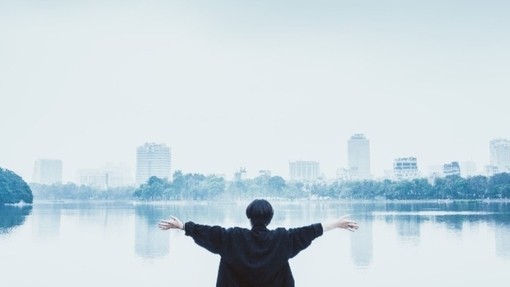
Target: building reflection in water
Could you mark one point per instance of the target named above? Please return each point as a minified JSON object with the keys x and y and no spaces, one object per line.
{"x":362,"y":242}
{"x":47,"y":222}
{"x":150,"y":241}
{"x":408,"y":228}
{"x":12,"y":216}
{"x":453,"y":222}
{"x":502,"y":235}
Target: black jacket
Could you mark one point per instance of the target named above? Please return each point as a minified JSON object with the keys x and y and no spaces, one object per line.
{"x":256,"y":257}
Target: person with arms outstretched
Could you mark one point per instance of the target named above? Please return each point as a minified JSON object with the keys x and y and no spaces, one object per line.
{"x":257,"y":256}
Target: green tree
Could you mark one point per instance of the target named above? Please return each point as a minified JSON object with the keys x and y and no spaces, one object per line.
{"x":13,"y":188}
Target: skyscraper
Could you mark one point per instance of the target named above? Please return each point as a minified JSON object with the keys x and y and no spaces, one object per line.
{"x":358,"y":154}
{"x":47,"y":171}
{"x":152,"y":160}
{"x":500,"y":154}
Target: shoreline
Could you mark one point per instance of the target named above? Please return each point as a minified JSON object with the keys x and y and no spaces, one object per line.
{"x":272,"y":200}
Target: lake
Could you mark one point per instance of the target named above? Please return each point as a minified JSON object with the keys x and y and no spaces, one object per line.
{"x":118,"y":244}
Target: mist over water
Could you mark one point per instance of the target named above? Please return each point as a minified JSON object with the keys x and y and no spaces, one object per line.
{"x":119,"y":244}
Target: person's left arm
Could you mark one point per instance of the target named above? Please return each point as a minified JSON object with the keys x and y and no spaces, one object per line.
{"x":302,"y":237}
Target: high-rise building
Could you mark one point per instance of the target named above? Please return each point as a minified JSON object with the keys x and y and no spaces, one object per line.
{"x":452,"y":168}
{"x":358,"y":154}
{"x":304,"y":170}
{"x":405,"y":168}
{"x":152,"y":160}
{"x":500,"y":154}
{"x":47,"y":171}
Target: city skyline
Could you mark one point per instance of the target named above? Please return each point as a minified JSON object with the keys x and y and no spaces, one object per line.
{"x":297,"y":170}
{"x":251,"y":84}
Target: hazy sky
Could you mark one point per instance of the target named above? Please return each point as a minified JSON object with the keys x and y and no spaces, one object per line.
{"x":252,"y":83}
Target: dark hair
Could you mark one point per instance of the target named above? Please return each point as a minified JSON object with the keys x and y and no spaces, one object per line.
{"x":260,"y":212}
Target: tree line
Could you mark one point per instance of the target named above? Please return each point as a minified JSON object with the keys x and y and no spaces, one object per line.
{"x":59,"y":191}
{"x":13,"y":189}
{"x":200,"y":187}
{"x":194,"y":186}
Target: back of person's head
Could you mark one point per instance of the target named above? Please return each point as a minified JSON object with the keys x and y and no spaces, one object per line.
{"x":260,"y":212}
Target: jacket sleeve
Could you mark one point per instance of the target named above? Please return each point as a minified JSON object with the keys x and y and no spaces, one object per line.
{"x":300,"y":238}
{"x":211,"y":238}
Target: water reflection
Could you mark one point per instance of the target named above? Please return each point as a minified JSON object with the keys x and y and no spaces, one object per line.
{"x":395,"y":243}
{"x":150,"y":242}
{"x":502,"y":230}
{"x":502,"y":235}
{"x":12,"y":216}
{"x":362,"y":246}
{"x":408,"y":228}
{"x":46,"y":224}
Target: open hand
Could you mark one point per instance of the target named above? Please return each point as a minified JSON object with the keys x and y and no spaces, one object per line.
{"x":347,"y":224}
{"x":173,"y":222}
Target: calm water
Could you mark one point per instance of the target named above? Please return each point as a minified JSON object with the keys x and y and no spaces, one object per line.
{"x":119,"y":244}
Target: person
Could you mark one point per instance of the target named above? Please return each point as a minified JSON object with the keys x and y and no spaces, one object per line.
{"x":257,"y":256}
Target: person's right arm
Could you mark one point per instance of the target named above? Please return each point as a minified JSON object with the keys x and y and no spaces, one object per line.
{"x":342,"y":222}
{"x":211,"y":238}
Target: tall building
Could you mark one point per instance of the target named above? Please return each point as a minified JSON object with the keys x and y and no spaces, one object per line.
{"x":405,"y":168}
{"x":500,"y":154}
{"x":152,"y":160}
{"x":358,"y":154}
{"x":47,"y":171}
{"x":452,"y":168}
{"x":304,"y":170}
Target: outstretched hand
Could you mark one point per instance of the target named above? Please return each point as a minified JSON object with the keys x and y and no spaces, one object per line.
{"x":172,"y":223}
{"x":343,"y":222}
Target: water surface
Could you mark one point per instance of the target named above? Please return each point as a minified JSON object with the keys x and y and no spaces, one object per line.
{"x":119,"y":244}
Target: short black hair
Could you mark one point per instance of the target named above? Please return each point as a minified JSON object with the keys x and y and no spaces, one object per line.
{"x":260,"y":212}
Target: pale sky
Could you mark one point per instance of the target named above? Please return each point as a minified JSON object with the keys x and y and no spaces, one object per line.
{"x":227,"y":84}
